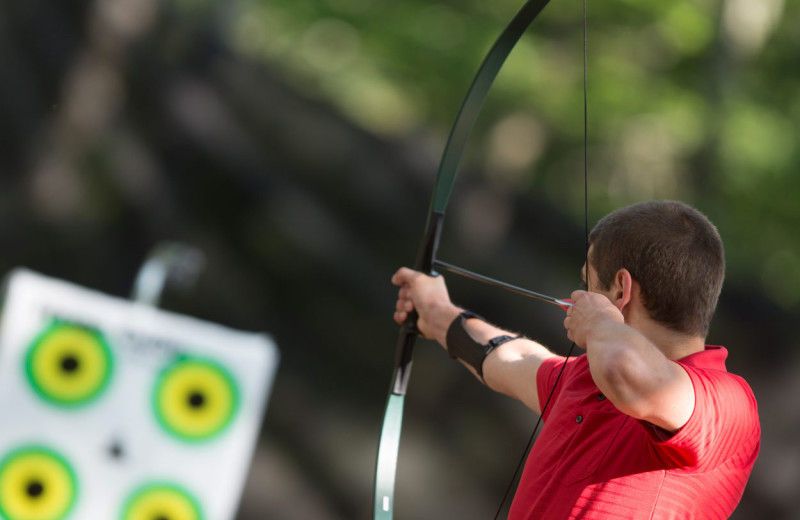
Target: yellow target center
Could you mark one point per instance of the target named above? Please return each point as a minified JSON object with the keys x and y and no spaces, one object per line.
{"x":35,"y":485}
{"x":195,"y":399}
{"x":162,"y":503}
{"x":69,"y":365}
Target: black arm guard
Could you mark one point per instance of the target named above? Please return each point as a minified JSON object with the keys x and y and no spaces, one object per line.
{"x":462,"y":346}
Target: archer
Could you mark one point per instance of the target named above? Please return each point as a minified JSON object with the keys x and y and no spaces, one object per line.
{"x":648,"y":423}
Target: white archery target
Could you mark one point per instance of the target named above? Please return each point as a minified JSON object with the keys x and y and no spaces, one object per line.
{"x":115,"y":442}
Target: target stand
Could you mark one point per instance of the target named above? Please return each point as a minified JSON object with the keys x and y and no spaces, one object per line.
{"x":112,"y":409}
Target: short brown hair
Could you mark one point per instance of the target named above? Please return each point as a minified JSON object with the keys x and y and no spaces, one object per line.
{"x":675,"y":254}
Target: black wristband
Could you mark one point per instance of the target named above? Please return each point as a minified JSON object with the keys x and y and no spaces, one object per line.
{"x":464,"y":347}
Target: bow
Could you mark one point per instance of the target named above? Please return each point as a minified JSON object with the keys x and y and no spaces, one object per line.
{"x":388,"y":446}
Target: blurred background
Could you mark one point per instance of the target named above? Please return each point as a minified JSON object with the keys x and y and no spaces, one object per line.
{"x":296,"y":143}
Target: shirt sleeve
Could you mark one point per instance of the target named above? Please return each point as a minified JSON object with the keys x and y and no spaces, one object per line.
{"x":725,"y":418}
{"x":546,"y":379}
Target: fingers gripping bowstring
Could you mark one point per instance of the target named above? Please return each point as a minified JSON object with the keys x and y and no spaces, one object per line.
{"x":586,"y":232}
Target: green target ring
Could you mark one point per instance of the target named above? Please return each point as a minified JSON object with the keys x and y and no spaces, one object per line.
{"x":195,"y":399}
{"x":161,"y":501}
{"x":36,"y":483}
{"x":69,"y":365}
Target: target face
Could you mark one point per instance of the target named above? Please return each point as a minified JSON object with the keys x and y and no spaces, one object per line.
{"x":195,"y":399}
{"x":156,"y":413}
{"x":68,"y":365}
{"x":161,"y":502}
{"x":36,"y":484}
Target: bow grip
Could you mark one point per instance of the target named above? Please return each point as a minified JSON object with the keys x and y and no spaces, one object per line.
{"x":426,"y":257}
{"x":409,"y":330}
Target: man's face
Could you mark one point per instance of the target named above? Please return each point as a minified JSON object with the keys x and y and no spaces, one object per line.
{"x":590,"y":281}
{"x":591,"y":284}
{"x":589,"y":278}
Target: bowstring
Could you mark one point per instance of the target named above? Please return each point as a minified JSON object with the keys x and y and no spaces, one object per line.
{"x":586,"y":245}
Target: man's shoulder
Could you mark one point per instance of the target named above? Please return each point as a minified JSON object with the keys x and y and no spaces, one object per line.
{"x":723,"y":400}
{"x":572,"y":366}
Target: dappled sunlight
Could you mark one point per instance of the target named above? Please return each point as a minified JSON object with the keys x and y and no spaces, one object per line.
{"x":57,"y":190}
{"x":748,"y":25}
{"x":515,"y":145}
{"x":688,"y":26}
{"x":330,"y":45}
{"x":92,"y":96}
{"x":649,"y":164}
{"x":483,"y":218}
{"x":757,"y":144}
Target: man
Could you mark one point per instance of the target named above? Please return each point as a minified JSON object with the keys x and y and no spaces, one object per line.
{"x":647,"y":424}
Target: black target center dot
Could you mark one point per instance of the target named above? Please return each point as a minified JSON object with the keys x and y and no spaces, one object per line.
{"x":69,"y":363}
{"x":35,"y":489}
{"x":116,"y":450}
{"x":197,"y":399}
{"x":161,"y":517}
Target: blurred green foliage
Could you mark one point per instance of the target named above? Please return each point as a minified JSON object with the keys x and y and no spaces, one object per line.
{"x":690,"y":99}
{"x":129,"y":122}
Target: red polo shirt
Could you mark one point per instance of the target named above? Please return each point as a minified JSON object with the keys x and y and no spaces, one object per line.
{"x":593,"y":462}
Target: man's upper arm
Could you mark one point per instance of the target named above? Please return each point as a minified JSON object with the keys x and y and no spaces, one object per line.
{"x":649,"y":388}
{"x":512,"y":369}
{"x":670,"y":405}
{"x":638,"y":378}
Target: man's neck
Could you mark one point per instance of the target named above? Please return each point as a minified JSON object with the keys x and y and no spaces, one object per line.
{"x":673,"y":345}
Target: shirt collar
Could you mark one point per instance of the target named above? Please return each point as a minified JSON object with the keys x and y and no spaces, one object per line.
{"x":713,"y":357}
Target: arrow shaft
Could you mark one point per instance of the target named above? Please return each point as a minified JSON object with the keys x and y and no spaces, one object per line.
{"x":499,"y":283}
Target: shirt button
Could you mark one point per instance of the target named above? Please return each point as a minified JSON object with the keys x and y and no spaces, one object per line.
{"x":601,"y":397}
{"x":579,"y":419}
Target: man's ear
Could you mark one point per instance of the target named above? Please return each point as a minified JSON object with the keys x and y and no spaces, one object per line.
{"x":624,"y":288}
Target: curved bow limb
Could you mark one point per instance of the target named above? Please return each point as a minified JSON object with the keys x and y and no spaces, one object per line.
{"x":389,"y":444}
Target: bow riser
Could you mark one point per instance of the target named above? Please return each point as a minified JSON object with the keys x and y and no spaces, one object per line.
{"x":389,"y":442}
